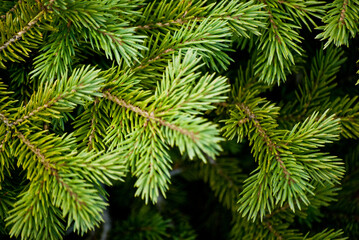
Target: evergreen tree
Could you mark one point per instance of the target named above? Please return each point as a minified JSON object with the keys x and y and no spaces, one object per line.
{"x":236,"y":119}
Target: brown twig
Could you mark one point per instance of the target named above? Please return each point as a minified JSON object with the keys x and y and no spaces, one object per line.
{"x":92,"y":126}
{"x":342,"y":13}
{"x":271,"y":20}
{"x":272,"y":230}
{"x":19,"y":35}
{"x":271,"y":145}
{"x":49,"y":167}
{"x":150,"y":116}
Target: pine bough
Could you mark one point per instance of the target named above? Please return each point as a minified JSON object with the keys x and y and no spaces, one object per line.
{"x":95,"y":90}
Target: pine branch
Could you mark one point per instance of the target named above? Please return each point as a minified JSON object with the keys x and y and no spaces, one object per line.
{"x":316,"y":86}
{"x":103,"y":167}
{"x":278,"y":44}
{"x":257,"y":122}
{"x":61,"y":169}
{"x":327,"y":235}
{"x":208,"y":38}
{"x":64,"y":94}
{"x":149,"y":116}
{"x":11,"y":48}
{"x":19,"y":35}
{"x":301,"y":11}
{"x":152,"y":165}
{"x":91,"y":126}
{"x":270,"y":229}
{"x":24,"y":216}
{"x":274,"y":149}
{"x":311,"y":134}
{"x":56,"y":56}
{"x":340,"y":22}
{"x":67,"y":129}
{"x":240,"y":17}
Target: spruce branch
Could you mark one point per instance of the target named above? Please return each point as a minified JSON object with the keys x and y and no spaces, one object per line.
{"x":5,"y":120}
{"x":117,"y":41}
{"x":302,"y":11}
{"x":11,"y":48}
{"x":24,"y":216}
{"x":153,"y":166}
{"x":5,"y":163}
{"x":241,"y":17}
{"x":313,"y":133}
{"x":78,"y":199}
{"x":149,"y":116}
{"x":340,"y":22}
{"x":56,"y":56}
{"x":342,"y":13}
{"x":272,"y":146}
{"x":103,"y":167}
{"x":45,"y":162}
{"x":165,"y":123}
{"x":269,"y":229}
{"x":91,"y":126}
{"x":293,"y":161}
{"x":164,"y":14}
{"x":268,"y":225}
{"x":326,"y":234}
{"x":82,"y":23}
{"x":149,"y":224}
{"x":155,"y":98}
{"x":329,"y":169}
{"x":208,"y":38}
{"x":279,"y":42}
{"x":187,"y":94}
{"x":18,"y":35}
{"x":66,"y":93}
{"x":51,"y":173}
{"x":313,"y":92}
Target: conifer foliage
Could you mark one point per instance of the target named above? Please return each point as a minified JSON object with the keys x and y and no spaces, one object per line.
{"x":125,"y":92}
